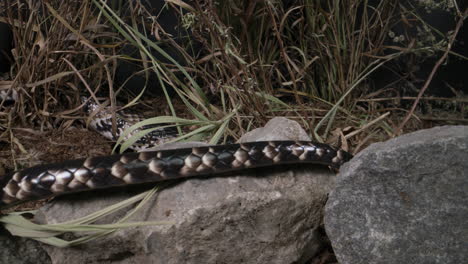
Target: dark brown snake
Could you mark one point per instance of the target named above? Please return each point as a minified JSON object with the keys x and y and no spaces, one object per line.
{"x":134,"y":168}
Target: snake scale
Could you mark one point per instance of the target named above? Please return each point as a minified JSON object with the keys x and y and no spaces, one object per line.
{"x":93,"y":173}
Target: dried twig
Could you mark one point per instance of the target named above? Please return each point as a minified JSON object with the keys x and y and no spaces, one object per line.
{"x":352,"y":134}
{"x":434,"y":70}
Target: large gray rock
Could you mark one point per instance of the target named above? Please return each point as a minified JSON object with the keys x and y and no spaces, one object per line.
{"x":403,"y":201}
{"x":260,"y":216}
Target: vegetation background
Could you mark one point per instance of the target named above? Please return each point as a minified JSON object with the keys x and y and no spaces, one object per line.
{"x":221,"y":68}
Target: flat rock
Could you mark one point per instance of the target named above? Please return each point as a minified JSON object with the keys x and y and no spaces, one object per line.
{"x":268,"y":215}
{"x":403,"y":201}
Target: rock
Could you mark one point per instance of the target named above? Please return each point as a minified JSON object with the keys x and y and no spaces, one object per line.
{"x":269,"y":215}
{"x":403,"y":201}
{"x":20,"y":250}
{"x":278,"y":128}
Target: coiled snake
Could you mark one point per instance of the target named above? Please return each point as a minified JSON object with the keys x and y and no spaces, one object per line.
{"x":133,"y":168}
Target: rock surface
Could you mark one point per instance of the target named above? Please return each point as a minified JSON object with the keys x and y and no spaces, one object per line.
{"x":20,"y":250}
{"x":403,"y":201}
{"x":278,"y":128}
{"x":269,"y":215}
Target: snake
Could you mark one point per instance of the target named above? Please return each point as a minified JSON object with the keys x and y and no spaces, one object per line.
{"x":93,"y":173}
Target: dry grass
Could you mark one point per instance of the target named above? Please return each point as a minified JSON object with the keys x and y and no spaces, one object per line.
{"x":60,"y":48}
{"x":309,"y":61}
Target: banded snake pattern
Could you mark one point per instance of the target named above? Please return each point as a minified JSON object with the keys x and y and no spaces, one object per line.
{"x":93,"y":173}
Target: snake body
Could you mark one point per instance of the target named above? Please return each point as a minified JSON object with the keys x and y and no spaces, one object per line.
{"x":132,"y":168}
{"x":154,"y":166}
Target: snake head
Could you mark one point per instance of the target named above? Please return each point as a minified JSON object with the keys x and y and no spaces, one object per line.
{"x":89,"y":105}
